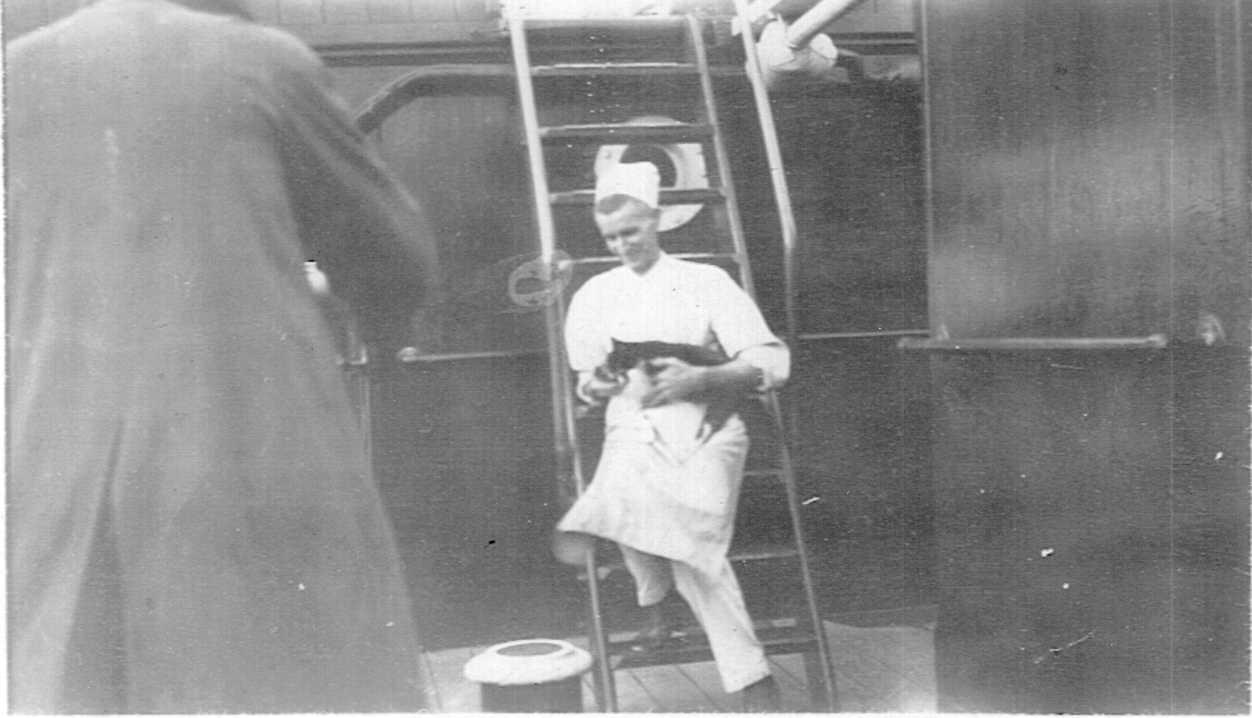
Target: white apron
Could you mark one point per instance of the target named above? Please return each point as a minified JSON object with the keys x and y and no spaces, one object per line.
{"x":664,"y":488}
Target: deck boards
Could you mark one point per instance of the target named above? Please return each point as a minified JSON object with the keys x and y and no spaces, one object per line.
{"x":705,"y":676}
{"x":789,"y":672}
{"x":455,"y":693}
{"x":884,"y":662}
{"x":672,"y":691}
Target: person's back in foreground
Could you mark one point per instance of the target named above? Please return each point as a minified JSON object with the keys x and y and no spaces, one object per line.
{"x":192,"y":525}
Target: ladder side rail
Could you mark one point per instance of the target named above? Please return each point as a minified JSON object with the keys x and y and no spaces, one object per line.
{"x":786,"y":218}
{"x":773,"y":155}
{"x":534,"y":148}
{"x":564,"y":427}
{"x":725,"y":181}
{"x":607,"y":689}
{"x":829,"y":693}
{"x":782,"y":198}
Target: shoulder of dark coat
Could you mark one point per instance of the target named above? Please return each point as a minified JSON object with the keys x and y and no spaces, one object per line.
{"x":246,"y":41}
{"x":44,"y":34}
{"x":268,"y":44}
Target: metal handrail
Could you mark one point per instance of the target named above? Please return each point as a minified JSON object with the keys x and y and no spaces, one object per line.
{"x":1018,"y":344}
{"x":425,"y":81}
{"x":413,"y":357}
{"x":773,"y":156}
{"x":787,"y":223}
{"x":824,"y":336}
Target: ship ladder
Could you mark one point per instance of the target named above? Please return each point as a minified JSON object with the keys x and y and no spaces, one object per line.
{"x":542,"y":56}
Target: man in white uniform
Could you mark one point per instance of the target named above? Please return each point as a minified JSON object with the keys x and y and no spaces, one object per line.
{"x":667,"y":485}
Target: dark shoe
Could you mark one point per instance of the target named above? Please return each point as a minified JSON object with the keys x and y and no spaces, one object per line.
{"x":762,"y":697}
{"x":651,"y":639}
{"x":657,"y":631}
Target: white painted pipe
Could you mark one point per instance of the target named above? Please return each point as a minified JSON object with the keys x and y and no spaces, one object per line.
{"x":760,"y":11}
{"x":808,"y":25}
{"x":779,"y":59}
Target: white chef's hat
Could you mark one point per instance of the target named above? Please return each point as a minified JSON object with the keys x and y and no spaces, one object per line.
{"x":640,"y":180}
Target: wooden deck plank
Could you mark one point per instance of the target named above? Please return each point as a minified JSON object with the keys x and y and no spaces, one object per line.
{"x":884,"y":668}
{"x":672,"y":691}
{"x":706,"y":678}
{"x":589,"y":691}
{"x":794,"y":690}
{"x":589,"y":694}
{"x":430,"y":686}
{"x":632,"y":695}
{"x":788,"y":670}
{"x":878,"y":668}
{"x":850,"y":682}
{"x":456,"y":694}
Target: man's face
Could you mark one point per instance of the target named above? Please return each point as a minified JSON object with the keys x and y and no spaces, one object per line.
{"x":630,"y":233}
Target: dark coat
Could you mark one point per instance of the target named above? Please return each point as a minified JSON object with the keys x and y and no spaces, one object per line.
{"x":192,"y":524}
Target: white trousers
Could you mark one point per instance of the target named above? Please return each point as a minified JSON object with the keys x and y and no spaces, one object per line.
{"x":717,"y":603}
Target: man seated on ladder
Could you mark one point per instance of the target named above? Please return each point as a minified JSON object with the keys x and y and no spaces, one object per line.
{"x":667,"y":484}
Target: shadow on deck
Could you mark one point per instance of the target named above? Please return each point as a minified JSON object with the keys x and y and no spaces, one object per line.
{"x":884,"y":662}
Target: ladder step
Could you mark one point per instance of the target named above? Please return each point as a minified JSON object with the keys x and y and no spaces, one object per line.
{"x":604,"y":69}
{"x":628,"y":133}
{"x":586,"y":197}
{"x":765,"y":553}
{"x":691,"y":256}
{"x":770,"y":552}
{"x":693,"y":646}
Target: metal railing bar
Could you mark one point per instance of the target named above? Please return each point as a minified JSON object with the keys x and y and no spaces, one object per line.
{"x":823,"y":336}
{"x":991,"y":344}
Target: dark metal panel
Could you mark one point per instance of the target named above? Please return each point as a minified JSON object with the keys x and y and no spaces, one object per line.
{"x":1089,"y":178}
{"x":854,"y":167}
{"x":1211,"y":264}
{"x":1209,"y":442}
{"x":1053,"y":529}
{"x":1212,"y":267}
{"x":463,"y":457}
{"x":1049,"y":148}
{"x":1092,"y":558}
{"x":862,"y":433}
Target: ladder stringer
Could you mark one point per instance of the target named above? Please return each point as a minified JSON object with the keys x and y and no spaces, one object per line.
{"x":828,"y":696}
{"x":825,"y":697}
{"x":569,"y":461}
{"x":724,"y":179}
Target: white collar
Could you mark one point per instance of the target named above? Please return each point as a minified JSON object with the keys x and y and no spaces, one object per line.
{"x":663,"y":265}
